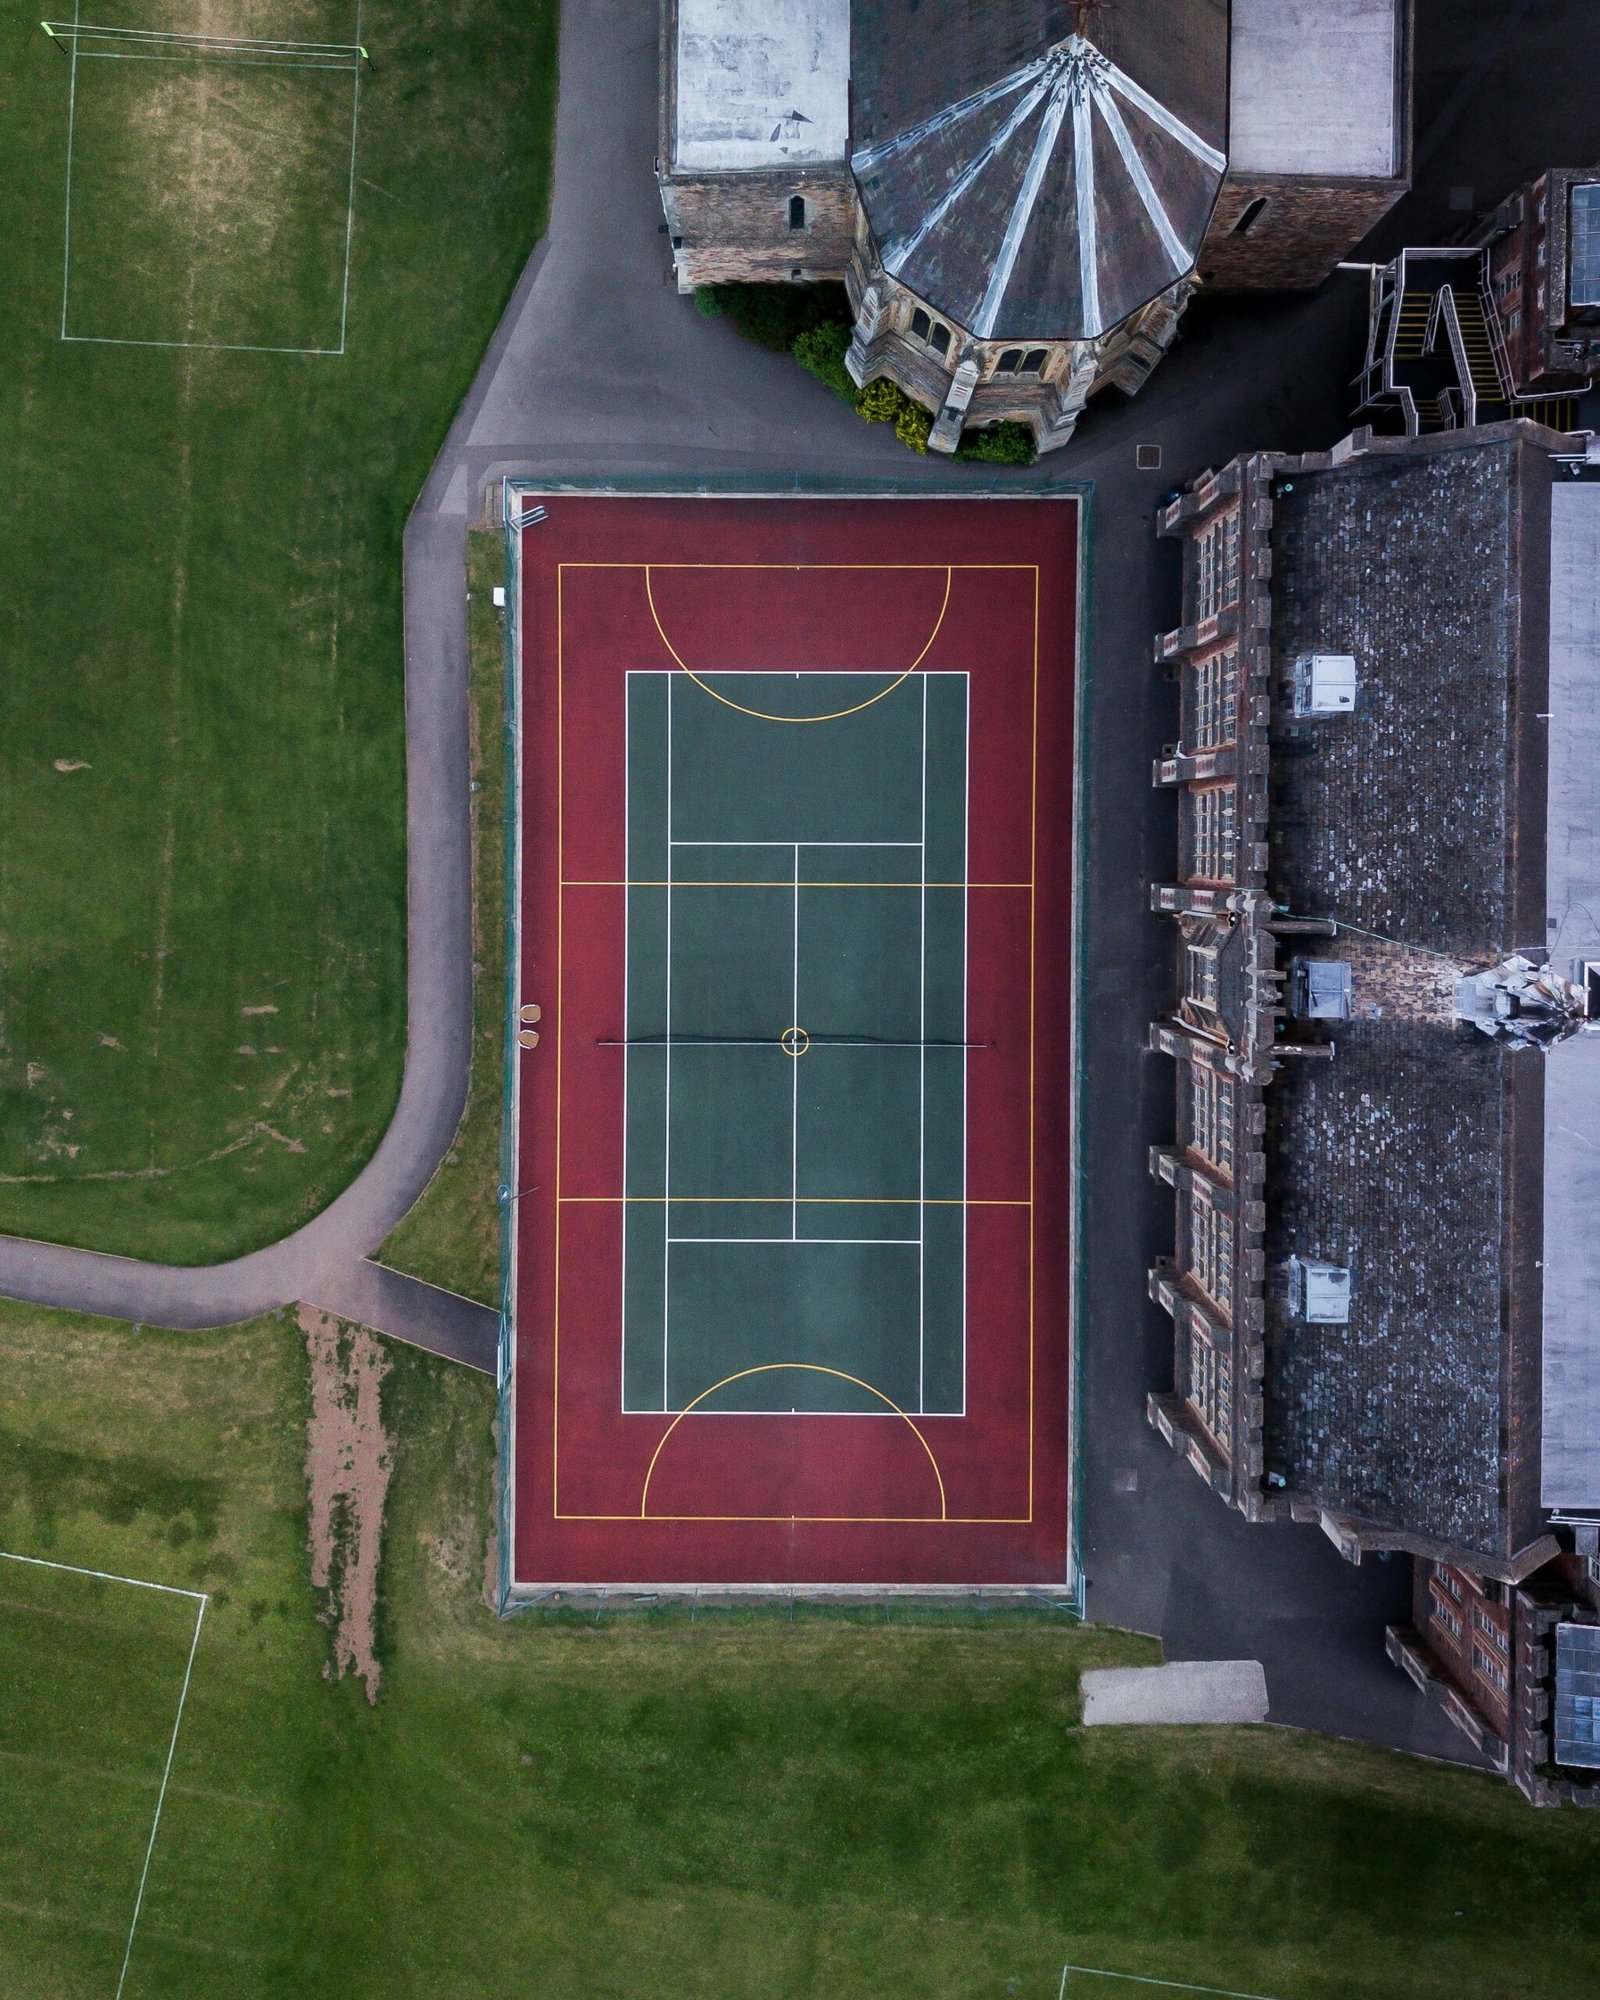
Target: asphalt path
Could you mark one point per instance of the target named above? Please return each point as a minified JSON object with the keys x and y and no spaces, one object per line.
{"x":599,"y":370}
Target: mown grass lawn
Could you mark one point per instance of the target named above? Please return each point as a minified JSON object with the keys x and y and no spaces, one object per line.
{"x":828,"y":1807}
{"x":202,"y":893}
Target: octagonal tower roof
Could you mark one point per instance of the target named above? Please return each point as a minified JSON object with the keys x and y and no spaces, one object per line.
{"x":1032,"y":181}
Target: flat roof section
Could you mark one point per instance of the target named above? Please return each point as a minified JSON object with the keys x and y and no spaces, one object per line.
{"x":1571,"y":1431}
{"x":1314,"y":87}
{"x":762,"y":83}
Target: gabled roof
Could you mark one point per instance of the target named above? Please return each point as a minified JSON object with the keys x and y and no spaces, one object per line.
{"x":1029,"y":181}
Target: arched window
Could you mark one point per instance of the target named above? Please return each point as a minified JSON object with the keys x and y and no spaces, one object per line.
{"x":1009,"y":362}
{"x":921,"y":325}
{"x":1033,"y":362}
{"x":939,"y":340}
{"x":797,"y":211}
{"x":1249,"y":216}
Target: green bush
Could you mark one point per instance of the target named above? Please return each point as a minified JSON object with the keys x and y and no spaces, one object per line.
{"x":1000,"y":444}
{"x":881,"y":401}
{"x":912,"y":426}
{"x":775,"y":315}
{"x":821,"y":351}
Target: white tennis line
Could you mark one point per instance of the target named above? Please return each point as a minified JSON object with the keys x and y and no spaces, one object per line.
{"x":889,"y":1242}
{"x":161,"y":1796}
{"x":627,"y":1029}
{"x":72,"y":113}
{"x":801,"y":843}
{"x":966,"y":1028}
{"x":350,"y":204}
{"x":199,"y":1599}
{"x":666,"y":1121}
{"x":794,"y":1063}
{"x":1138,"y":1979}
{"x":922,"y":1081}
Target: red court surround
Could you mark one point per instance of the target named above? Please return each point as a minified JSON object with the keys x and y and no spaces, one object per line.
{"x":711,"y":1497}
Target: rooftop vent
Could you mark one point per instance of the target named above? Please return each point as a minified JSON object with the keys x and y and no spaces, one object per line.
{"x":1318,"y":1292}
{"x":1324,"y":684}
{"x":1319,"y":989}
{"x":1578,"y":1696}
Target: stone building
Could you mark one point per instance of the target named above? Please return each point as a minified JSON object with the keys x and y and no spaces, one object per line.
{"x":1386,"y":916}
{"x":1516,"y":1668}
{"x":1505,"y":325}
{"x":1022,"y":198}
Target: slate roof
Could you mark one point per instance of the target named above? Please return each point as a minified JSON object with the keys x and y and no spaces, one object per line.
{"x":1032,"y":182}
{"x":1393,"y":1159}
{"x":1416,"y":1155}
{"x":1401,"y":818}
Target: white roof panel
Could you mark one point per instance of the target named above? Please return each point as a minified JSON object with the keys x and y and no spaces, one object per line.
{"x":1314,"y":87}
{"x":762,"y":83}
{"x":1571,"y":1427}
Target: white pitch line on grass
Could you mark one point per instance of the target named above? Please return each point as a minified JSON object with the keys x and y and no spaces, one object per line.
{"x":1139,"y":1979}
{"x":199,"y":1599}
{"x":161,"y":1796}
{"x":350,"y":204}
{"x":104,"y":1575}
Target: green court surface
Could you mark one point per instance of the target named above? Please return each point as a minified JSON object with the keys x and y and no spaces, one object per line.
{"x":795,"y":1156}
{"x":91,"y":1674}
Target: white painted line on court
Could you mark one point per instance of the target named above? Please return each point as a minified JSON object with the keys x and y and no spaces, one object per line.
{"x":922,"y":1079}
{"x":794,"y":1061}
{"x":666,"y":1122}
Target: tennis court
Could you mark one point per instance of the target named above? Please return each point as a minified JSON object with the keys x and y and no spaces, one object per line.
{"x":791,"y":1259}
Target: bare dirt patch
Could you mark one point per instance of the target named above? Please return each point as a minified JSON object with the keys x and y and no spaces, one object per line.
{"x":347,"y":1478}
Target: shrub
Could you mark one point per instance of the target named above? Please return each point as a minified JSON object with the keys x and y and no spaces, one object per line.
{"x":881,"y":401}
{"x":775,"y":315}
{"x":912,"y":426}
{"x":1000,"y":444}
{"x":821,"y":351}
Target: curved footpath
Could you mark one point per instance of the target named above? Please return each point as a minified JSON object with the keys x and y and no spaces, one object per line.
{"x":600,"y":371}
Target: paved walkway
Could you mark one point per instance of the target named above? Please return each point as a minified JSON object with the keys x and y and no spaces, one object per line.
{"x":599,"y":369}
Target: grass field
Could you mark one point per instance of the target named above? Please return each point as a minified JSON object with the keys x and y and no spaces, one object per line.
{"x":201,"y":746}
{"x":452,"y":1235}
{"x":828,"y":1806}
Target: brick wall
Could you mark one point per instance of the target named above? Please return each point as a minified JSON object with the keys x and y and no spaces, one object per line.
{"x":1304,"y":229}
{"x":734,"y":228}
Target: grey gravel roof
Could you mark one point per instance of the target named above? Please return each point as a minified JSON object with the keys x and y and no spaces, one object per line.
{"x":1031,"y":182}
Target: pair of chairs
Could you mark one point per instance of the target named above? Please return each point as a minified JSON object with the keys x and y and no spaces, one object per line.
{"x":527,"y":1033}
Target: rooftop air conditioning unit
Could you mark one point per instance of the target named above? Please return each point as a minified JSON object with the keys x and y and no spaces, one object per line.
{"x":1318,"y":1292}
{"x":1319,"y":989}
{"x":1324,"y":684}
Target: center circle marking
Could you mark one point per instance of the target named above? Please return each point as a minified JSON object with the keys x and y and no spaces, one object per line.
{"x":794,"y":1042}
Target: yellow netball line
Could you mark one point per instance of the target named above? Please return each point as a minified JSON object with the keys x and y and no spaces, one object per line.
{"x":762,"y":714}
{"x":789,"y":1368}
